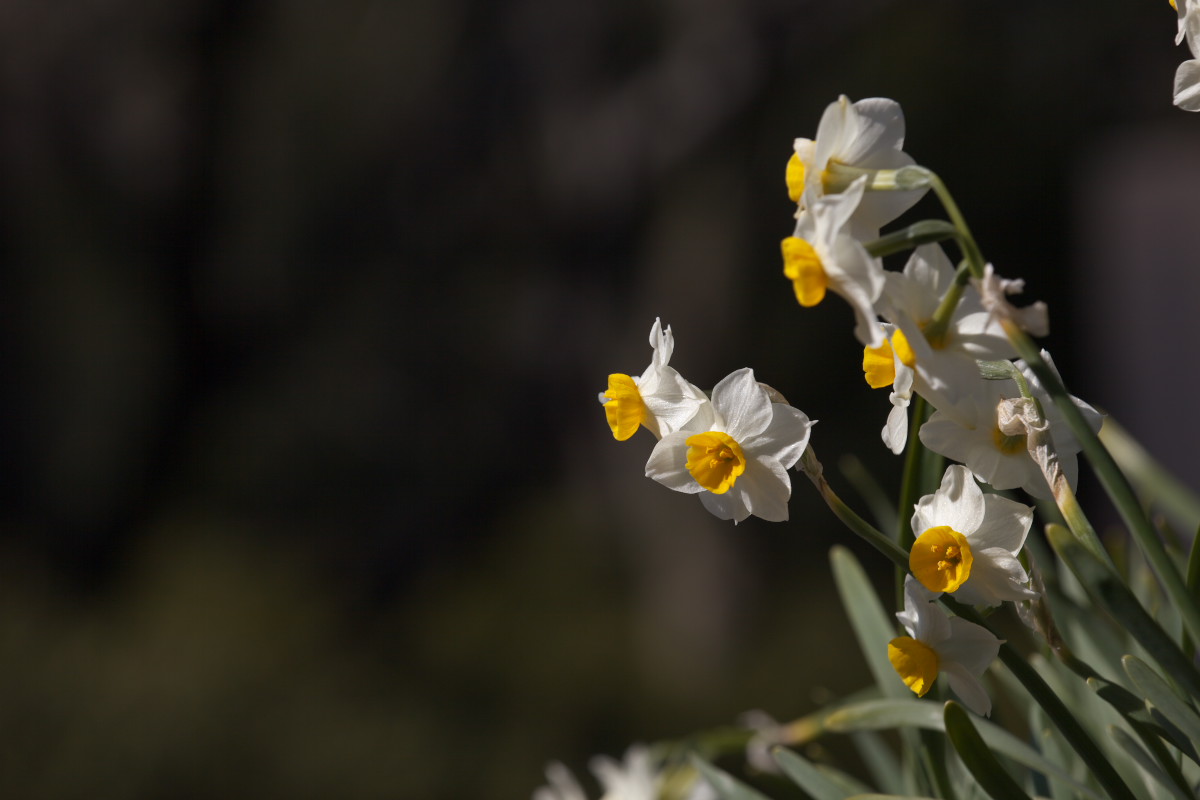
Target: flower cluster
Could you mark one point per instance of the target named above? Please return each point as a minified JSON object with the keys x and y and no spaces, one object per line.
{"x":955,"y":352}
{"x":734,"y":450}
{"x":967,"y":546}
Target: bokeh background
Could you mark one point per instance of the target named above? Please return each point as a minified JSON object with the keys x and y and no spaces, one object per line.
{"x":304,"y":308}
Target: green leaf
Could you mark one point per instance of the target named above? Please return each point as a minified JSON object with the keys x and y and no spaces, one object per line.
{"x":808,"y":777}
{"x":911,"y":713}
{"x":1108,"y":591}
{"x":890,"y":797}
{"x":881,"y":762}
{"x":1050,"y":742}
{"x":725,"y":785}
{"x":1148,"y":763}
{"x":1149,"y":723}
{"x":978,"y":757}
{"x":872,"y":626}
{"x":1159,"y":693}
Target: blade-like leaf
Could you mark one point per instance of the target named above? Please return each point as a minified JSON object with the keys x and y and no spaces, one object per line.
{"x":880,"y":760}
{"x":725,"y":785}
{"x":1148,"y":764}
{"x":978,"y":757}
{"x":807,"y":776}
{"x":1159,"y":693}
{"x":886,"y":714}
{"x":1107,"y":590}
{"x":872,"y":626}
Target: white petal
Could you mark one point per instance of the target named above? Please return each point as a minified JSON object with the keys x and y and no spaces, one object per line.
{"x":831,"y":212}
{"x":958,"y":503}
{"x":726,"y":506}
{"x":973,"y":646}
{"x":837,"y":126}
{"x":765,"y":489}
{"x":996,"y":576}
{"x":1005,"y":525}
{"x":895,"y":432}
{"x":859,"y":279}
{"x":668,"y":464}
{"x":968,"y":688}
{"x":742,"y":404}
{"x":672,"y":401}
{"x":784,"y":439}
{"x":924,"y":619}
{"x":879,"y":134}
{"x":663,"y":343}
{"x":563,"y":785}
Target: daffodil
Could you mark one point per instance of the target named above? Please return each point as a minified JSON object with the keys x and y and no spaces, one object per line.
{"x":659,"y":399}
{"x":934,"y":357}
{"x":1002,"y":459}
{"x":940,"y":645}
{"x":821,"y":255}
{"x":867,"y":135}
{"x":967,"y":542}
{"x":736,"y":451}
{"x":994,"y":292}
{"x":891,"y":364}
{"x":637,"y":777}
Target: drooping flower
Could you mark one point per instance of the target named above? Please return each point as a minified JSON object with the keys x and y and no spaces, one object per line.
{"x":635,"y":778}
{"x":822,"y":256}
{"x":851,"y":138}
{"x":930,"y":352}
{"x":736,"y":451}
{"x":1001,"y":459}
{"x":993,"y":293}
{"x":967,"y":542}
{"x":941,"y":645}
{"x":891,"y":364}
{"x":659,"y":400}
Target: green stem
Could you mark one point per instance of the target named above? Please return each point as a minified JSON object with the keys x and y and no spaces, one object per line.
{"x":1077,"y":522}
{"x":876,"y":538}
{"x":926,"y":231}
{"x":1112,"y":479}
{"x":966,"y":241}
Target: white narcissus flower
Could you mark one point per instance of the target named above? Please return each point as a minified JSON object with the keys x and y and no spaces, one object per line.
{"x":938,"y":644}
{"x":736,"y":451}
{"x":891,"y":364}
{"x":1001,"y":460}
{"x":866,"y":135}
{"x":659,"y":400}
{"x":1187,"y":76}
{"x":821,"y":255}
{"x":635,"y":778}
{"x":944,"y":360}
{"x":940,"y":365}
{"x":993,"y":293}
{"x":967,"y":542}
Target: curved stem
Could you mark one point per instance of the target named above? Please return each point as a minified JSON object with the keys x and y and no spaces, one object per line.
{"x":876,"y":538}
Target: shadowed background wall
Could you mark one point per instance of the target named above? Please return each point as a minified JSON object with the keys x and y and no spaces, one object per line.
{"x":304,"y":309}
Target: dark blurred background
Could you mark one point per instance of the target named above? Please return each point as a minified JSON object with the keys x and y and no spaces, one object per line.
{"x":305,"y":306}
